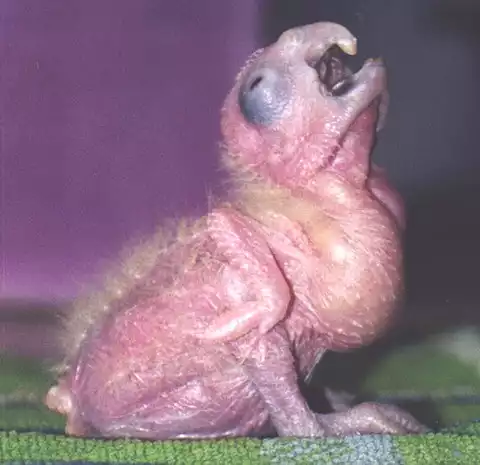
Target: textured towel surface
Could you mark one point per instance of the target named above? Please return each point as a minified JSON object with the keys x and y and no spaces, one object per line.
{"x":435,"y":449}
{"x":442,"y":372}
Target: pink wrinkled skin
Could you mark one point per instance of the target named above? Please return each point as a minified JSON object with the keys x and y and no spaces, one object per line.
{"x":211,"y":337}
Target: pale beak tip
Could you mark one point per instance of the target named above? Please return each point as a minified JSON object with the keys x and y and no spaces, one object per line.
{"x":348,"y":46}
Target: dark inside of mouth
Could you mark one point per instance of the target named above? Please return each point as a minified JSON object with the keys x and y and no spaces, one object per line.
{"x":333,"y":73}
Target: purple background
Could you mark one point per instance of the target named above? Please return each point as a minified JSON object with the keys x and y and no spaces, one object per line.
{"x":109,"y":122}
